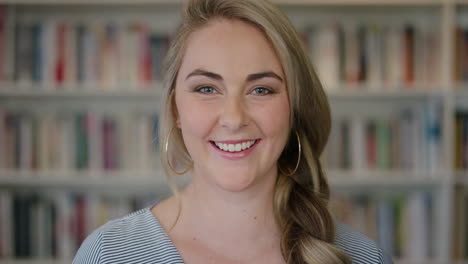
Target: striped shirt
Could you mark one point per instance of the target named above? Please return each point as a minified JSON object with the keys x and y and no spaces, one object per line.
{"x":139,"y":238}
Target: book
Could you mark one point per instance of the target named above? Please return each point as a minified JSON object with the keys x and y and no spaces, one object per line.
{"x":53,"y":225}
{"x":89,"y":142}
{"x":375,"y":55}
{"x":409,"y":139}
{"x":61,"y":55}
{"x":6,"y":224}
{"x":399,"y":222}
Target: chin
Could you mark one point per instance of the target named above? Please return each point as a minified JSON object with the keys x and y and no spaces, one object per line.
{"x":234,"y":182}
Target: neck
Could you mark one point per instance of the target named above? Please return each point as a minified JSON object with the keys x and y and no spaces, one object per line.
{"x":231,"y":217}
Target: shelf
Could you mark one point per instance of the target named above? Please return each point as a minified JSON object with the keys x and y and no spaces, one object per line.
{"x":154,"y":181}
{"x":84,"y":92}
{"x":279,"y":2}
{"x":359,"y":2}
{"x":127,"y":181}
{"x":93,"y":2}
{"x":80,"y":100}
{"x":80,"y":93}
{"x":343,"y":179}
{"x":363,"y":94}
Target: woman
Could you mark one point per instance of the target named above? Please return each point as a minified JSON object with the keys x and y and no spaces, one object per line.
{"x":246,"y":116}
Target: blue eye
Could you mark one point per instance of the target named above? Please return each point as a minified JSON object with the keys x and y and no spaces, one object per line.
{"x":206,"y":89}
{"x":261,"y":91}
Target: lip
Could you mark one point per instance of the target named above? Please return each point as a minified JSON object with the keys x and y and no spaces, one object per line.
{"x":234,"y":155}
{"x":234,"y":141}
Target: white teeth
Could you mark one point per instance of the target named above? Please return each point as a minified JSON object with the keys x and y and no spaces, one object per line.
{"x":238,"y":147}
{"x":235,"y":147}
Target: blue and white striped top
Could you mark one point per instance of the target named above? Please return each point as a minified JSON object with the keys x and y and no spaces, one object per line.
{"x":139,"y":238}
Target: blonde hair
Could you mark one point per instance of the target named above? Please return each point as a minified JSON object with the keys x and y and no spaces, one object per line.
{"x":300,"y":200}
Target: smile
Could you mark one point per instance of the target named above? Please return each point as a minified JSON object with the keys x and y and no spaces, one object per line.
{"x":241,"y":146}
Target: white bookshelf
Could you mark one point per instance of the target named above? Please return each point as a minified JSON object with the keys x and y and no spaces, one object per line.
{"x":127,"y":181}
{"x":148,"y":180}
{"x":279,"y":2}
{"x":120,"y":98}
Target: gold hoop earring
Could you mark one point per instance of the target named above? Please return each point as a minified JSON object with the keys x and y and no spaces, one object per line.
{"x":298,"y":158}
{"x":167,"y":156}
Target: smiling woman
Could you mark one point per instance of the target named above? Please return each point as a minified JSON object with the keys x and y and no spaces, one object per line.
{"x":228,"y":88}
{"x":246,"y":116}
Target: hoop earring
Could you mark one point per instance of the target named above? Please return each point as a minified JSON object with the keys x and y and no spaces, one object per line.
{"x":167,"y":156}
{"x":298,"y":158}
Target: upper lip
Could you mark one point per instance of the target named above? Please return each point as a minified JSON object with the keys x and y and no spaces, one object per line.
{"x":233,"y":141}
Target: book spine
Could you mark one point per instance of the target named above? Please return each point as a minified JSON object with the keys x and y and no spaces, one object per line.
{"x":6,"y":225}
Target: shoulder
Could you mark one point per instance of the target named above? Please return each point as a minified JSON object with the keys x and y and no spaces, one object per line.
{"x":361,"y":249}
{"x":135,"y":236}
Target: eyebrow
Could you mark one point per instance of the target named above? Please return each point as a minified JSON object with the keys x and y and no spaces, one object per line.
{"x":250,"y":77}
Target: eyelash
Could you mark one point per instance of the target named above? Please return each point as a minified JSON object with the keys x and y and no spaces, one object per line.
{"x":266,"y":89}
{"x":200,"y":88}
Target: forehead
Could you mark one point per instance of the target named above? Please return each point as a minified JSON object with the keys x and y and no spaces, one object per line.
{"x":230,"y":47}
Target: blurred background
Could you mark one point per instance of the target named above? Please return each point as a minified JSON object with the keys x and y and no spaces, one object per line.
{"x":80,"y":84}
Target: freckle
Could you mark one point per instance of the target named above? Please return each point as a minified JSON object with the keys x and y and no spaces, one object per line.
{"x":255,"y":218}
{"x":194,"y":238}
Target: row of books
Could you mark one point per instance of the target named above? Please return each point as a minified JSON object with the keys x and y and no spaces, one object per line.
{"x":90,"y":141}
{"x":460,"y":242}
{"x":401,"y":224}
{"x":54,"y":54}
{"x":375,"y":55}
{"x":128,"y":141}
{"x":53,"y":225}
{"x":408,"y":140}
{"x":461,"y":140}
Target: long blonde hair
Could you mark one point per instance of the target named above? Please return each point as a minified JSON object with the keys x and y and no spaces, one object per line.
{"x":300,"y":200}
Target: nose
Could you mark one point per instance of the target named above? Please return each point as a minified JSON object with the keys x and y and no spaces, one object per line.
{"x":234,"y":114}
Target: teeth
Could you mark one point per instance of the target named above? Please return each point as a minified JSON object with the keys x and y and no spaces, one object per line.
{"x":235,"y":147}
{"x":238,"y":147}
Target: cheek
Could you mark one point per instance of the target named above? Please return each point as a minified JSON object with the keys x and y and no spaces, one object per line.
{"x":275,"y":121}
{"x":194,"y":119}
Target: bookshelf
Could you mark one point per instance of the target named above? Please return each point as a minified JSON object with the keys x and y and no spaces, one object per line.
{"x":425,"y":99}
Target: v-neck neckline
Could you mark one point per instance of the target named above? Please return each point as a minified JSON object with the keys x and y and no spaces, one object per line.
{"x":163,"y":231}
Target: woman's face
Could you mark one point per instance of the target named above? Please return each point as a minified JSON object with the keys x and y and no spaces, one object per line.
{"x":232,"y":105}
